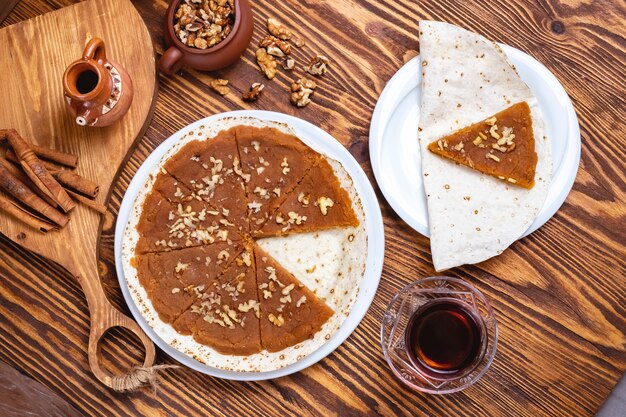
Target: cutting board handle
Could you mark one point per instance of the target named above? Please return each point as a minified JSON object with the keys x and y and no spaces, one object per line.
{"x":103,"y":318}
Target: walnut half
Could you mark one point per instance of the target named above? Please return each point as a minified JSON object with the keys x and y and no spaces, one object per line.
{"x":275,"y":46}
{"x":278,"y":29}
{"x":301,"y":91}
{"x":317,"y":66}
{"x":220,"y":86}
{"x":254,"y":93}
{"x":266,"y":62}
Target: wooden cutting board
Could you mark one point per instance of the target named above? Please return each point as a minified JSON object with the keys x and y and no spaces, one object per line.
{"x":34,"y":56}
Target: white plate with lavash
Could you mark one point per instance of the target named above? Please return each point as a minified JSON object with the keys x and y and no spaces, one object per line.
{"x":183,"y":348}
{"x":398,"y":161}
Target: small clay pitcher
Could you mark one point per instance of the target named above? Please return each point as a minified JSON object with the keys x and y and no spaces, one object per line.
{"x":98,"y":91}
{"x":216,"y":57}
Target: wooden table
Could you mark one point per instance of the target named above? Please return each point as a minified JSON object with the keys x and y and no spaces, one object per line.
{"x":559,"y":294}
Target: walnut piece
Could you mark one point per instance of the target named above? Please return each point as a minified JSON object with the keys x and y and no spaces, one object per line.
{"x":254,"y":93}
{"x":278,"y":29}
{"x":301,"y":91}
{"x":202,"y":24}
{"x":324,"y":203}
{"x":317,"y":66}
{"x":277,"y":321}
{"x":275,"y":46}
{"x":289,"y":64}
{"x":266,"y":62}
{"x":220,"y":86}
{"x":299,"y":42}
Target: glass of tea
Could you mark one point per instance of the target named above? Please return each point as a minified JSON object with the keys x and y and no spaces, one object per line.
{"x":439,"y":335}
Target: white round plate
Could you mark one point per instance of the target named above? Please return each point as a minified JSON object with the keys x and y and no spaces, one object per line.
{"x":394,"y":148}
{"x":323,"y":143}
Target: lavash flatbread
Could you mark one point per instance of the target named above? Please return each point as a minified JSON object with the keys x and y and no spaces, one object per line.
{"x":467,"y":78}
{"x":340,"y":266}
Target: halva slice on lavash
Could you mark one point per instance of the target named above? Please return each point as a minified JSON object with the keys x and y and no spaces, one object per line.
{"x":465,"y":79}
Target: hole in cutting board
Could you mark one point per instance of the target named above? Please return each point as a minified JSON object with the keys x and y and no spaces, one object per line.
{"x":120,"y":351}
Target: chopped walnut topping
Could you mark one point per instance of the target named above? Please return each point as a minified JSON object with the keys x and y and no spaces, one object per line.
{"x":261,"y":192}
{"x":286,"y":299}
{"x":222,"y":235}
{"x":296,"y":218}
{"x":477,"y":141}
{"x":285,"y":165}
{"x":254,"y":207}
{"x":324,"y":203}
{"x":491,"y":121}
{"x":266,"y":62}
{"x":493,"y":131}
{"x":300,"y":301}
{"x":175,"y":290}
{"x":277,"y":321}
{"x":511,"y":180}
{"x":301,"y":92}
{"x":181,"y":266}
{"x":493,"y":157}
{"x":279,"y":219}
{"x":317,"y":66}
{"x":303,"y":199}
{"x":459,"y":146}
{"x":442,"y":143}
{"x":220,"y":86}
{"x":276,"y":191}
{"x":223,"y":255}
{"x":278,"y":29}
{"x":247,"y":306}
{"x":238,"y":171}
{"x":267,"y":294}
{"x":288,"y":289}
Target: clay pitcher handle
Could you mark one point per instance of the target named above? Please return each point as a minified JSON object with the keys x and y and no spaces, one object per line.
{"x":107,"y":317}
{"x":171,"y":61}
{"x":95,"y":50}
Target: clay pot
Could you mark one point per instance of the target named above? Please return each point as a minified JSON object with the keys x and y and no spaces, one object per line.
{"x":219,"y":56}
{"x":98,"y":91}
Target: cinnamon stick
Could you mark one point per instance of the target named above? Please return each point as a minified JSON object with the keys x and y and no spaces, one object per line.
{"x":11,"y":156}
{"x":12,"y":208}
{"x":61,"y":158}
{"x":22,"y":193}
{"x":68,"y":179}
{"x":75,"y":182}
{"x":36,"y":171}
{"x":100,"y":208}
{"x":15,"y":170}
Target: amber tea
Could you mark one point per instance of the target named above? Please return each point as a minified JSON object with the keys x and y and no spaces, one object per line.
{"x":444,"y":338}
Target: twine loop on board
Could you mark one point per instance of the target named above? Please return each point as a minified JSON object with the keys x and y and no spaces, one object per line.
{"x":138,"y":377}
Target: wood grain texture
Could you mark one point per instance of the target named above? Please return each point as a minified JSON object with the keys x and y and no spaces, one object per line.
{"x":559,"y":294}
{"x":32,"y":88}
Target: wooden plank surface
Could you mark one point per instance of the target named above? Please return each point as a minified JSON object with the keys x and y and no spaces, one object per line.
{"x":559,"y":294}
{"x":6,"y":7}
